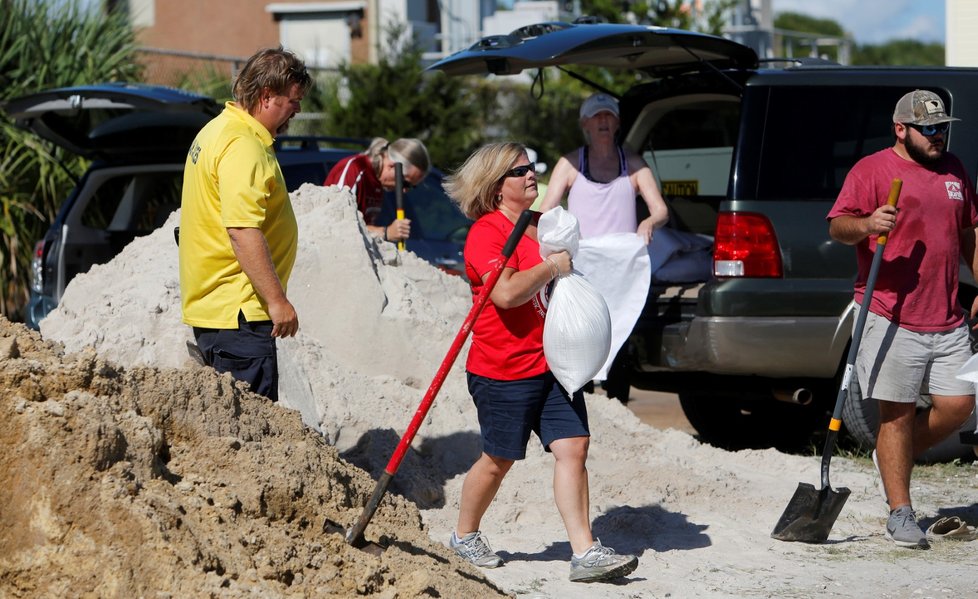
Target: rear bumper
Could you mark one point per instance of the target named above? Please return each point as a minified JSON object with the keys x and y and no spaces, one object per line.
{"x":771,"y":347}
{"x":37,"y":308}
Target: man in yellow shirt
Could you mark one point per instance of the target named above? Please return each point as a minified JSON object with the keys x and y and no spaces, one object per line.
{"x":238,"y":233}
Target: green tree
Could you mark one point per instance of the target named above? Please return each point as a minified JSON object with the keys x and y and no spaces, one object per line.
{"x":395,"y":98}
{"x":900,"y":52}
{"x":799,"y":23}
{"x":44,"y":44}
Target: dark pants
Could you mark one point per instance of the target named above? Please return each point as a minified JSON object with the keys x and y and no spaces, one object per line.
{"x":247,"y":352}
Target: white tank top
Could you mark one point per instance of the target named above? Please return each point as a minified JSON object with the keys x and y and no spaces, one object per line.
{"x":602,"y":208}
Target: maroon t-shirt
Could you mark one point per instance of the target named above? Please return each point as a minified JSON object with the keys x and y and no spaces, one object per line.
{"x":357,"y":173}
{"x":917,"y":285}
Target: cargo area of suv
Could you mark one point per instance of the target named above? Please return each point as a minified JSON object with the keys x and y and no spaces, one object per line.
{"x":752,"y":158}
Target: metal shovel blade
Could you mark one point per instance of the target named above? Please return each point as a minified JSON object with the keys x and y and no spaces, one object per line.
{"x":810,"y":514}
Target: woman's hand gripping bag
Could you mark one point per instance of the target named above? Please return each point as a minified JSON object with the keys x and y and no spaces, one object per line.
{"x":577,"y":329}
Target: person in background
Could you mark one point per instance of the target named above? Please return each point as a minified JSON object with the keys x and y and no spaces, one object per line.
{"x":238,"y":233}
{"x":371,"y":173}
{"x":601,"y":180}
{"x":915,"y":336}
{"x":511,"y":384}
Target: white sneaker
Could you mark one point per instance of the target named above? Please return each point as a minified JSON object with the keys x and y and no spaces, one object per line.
{"x":474,"y":548}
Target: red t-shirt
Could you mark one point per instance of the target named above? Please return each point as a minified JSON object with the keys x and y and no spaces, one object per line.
{"x":357,"y":173}
{"x":917,"y":285}
{"x":507,"y":345}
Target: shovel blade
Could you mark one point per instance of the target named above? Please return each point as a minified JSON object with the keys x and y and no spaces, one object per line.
{"x":810,"y":514}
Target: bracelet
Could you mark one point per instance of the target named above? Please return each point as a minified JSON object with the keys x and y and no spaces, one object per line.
{"x":553,"y":268}
{"x":385,"y":233}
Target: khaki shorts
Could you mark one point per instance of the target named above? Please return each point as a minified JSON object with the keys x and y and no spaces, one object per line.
{"x":896,"y":364}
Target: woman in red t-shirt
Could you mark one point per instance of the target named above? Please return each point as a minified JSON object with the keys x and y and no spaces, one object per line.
{"x":370,"y":174}
{"x":511,"y":385}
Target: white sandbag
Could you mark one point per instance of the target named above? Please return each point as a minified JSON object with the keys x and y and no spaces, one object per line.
{"x":558,"y":230}
{"x":577,"y":332}
{"x":617,"y":265}
{"x":577,"y":329}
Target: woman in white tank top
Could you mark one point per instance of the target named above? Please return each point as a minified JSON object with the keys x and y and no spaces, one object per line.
{"x":601,"y":178}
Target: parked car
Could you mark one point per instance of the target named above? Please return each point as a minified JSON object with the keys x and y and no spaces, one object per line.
{"x":137,"y":138}
{"x":753,"y":156}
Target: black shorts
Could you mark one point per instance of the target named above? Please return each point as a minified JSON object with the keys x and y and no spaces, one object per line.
{"x":510,"y":410}
{"x":247,"y":352}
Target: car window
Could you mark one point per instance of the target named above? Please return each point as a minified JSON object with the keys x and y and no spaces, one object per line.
{"x":134,"y":203}
{"x":690,"y":148}
{"x":806,"y":139}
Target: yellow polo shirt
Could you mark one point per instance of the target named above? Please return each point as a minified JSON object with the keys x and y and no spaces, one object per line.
{"x":231,"y":179}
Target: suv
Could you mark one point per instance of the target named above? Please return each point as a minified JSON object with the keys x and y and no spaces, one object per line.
{"x":753,"y":157}
{"x":137,"y":138}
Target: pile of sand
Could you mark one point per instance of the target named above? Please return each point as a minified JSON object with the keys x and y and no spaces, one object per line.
{"x":159,"y":435}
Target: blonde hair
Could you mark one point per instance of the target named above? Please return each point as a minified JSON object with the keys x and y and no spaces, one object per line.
{"x":475,"y":185}
{"x":406,"y":150}
{"x":274,"y":68}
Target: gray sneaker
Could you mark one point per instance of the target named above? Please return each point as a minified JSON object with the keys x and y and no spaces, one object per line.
{"x":601,"y":563}
{"x":474,"y":548}
{"x":902,"y":529}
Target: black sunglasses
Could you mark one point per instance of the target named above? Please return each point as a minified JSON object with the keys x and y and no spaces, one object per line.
{"x":520,"y":171}
{"x":928,"y":130}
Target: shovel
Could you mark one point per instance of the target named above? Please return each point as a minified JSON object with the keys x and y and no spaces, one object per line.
{"x":354,"y":536}
{"x":812,"y":512}
{"x":399,"y":197}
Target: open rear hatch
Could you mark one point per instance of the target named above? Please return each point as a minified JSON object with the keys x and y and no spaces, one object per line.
{"x":656,"y":51}
{"x":115,"y":120}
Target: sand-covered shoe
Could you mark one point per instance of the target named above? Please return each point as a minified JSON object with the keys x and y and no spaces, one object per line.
{"x":474,"y":548}
{"x":951,"y":528}
{"x":601,"y":563}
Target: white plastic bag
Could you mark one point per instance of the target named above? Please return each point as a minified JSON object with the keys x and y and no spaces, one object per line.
{"x":577,"y":329}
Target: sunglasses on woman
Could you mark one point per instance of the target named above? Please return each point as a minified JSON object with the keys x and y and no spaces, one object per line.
{"x":520,"y":171}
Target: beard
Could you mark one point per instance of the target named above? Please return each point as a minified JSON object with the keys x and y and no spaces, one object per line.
{"x":919,"y":153}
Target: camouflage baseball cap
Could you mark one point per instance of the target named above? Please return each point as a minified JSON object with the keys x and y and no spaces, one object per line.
{"x":921,"y":107}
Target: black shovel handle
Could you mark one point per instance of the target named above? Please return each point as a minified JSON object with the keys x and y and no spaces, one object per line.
{"x":836,"y":423}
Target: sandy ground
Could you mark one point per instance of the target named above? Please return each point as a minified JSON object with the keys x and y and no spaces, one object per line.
{"x":375,"y":325}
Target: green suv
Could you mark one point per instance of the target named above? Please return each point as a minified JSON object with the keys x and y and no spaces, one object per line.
{"x":754,"y":158}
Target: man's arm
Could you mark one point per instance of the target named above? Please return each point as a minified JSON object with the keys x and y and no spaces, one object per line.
{"x":251,"y":250}
{"x":850,"y":230}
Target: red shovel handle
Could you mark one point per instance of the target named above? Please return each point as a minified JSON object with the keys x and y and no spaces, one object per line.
{"x":354,"y":535}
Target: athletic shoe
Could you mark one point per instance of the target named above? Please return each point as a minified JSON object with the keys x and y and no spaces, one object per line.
{"x":879,"y":479}
{"x":474,"y":548}
{"x":601,"y":563}
{"x":902,"y":529}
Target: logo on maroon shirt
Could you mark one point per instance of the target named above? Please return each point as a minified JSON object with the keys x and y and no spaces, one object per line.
{"x":954,"y":190}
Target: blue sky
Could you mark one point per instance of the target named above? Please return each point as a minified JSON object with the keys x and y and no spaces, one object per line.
{"x":873,"y":21}
{"x":876,"y":21}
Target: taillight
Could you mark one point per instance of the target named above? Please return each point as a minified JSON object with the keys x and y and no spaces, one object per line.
{"x":37,"y":268}
{"x":745,"y":246}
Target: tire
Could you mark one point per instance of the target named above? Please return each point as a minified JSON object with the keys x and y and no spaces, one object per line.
{"x":862,"y":420}
{"x":732,"y":422}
